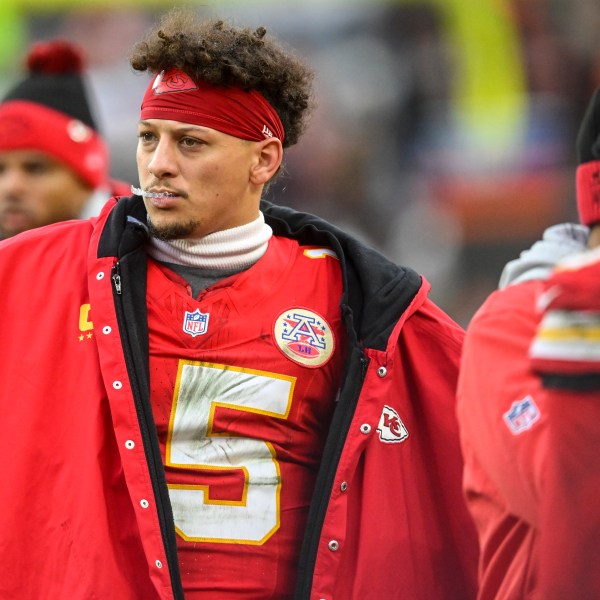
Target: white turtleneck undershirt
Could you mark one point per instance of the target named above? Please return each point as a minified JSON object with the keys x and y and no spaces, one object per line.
{"x":231,"y":249}
{"x":204,"y":261}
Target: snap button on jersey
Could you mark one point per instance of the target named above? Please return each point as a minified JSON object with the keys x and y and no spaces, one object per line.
{"x":144,"y":503}
{"x":365,"y":428}
{"x":333,"y":545}
{"x":117,"y":385}
{"x":100,"y":276}
{"x":106,"y":330}
{"x":129,"y":444}
{"x":382,"y":371}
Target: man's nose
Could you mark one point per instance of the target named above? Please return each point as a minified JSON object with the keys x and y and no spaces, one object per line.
{"x":163,"y":163}
{"x":13,"y":183}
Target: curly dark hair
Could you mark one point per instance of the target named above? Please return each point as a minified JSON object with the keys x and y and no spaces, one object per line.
{"x":224,"y":55}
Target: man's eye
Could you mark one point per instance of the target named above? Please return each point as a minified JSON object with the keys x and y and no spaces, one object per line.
{"x":190,"y":142}
{"x":146,"y":136}
{"x":35,"y":168}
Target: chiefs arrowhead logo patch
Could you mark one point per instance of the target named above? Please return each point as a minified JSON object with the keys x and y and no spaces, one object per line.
{"x":173,"y":80}
{"x":391,"y":429}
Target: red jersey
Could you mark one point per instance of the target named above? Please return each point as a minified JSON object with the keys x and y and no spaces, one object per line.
{"x":243,"y":383}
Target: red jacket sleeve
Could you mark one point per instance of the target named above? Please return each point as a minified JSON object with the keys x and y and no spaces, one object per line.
{"x":503,"y":440}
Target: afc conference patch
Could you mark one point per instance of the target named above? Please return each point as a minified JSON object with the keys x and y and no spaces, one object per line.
{"x":304,"y":337}
{"x":195,"y":323}
{"x":522,"y":415}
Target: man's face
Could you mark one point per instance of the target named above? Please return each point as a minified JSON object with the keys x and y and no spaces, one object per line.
{"x":206,"y":173}
{"x":36,"y":190}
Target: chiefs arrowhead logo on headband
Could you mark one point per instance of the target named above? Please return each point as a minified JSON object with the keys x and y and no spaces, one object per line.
{"x":173,"y":81}
{"x":243,"y":114}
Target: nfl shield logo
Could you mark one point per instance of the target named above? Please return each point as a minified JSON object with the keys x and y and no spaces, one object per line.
{"x":522,"y":415}
{"x":195,"y":323}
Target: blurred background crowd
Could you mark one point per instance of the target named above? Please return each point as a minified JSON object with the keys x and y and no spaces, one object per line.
{"x":445,"y":129}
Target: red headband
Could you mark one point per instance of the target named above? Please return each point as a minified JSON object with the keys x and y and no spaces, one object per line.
{"x":26,"y":125}
{"x":247,"y":115}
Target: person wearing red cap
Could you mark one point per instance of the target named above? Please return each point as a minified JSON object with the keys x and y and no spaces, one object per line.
{"x":54,"y":164}
{"x":528,"y":408}
{"x":221,"y":398}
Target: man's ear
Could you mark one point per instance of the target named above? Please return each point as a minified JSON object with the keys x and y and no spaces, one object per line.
{"x":269,"y":154}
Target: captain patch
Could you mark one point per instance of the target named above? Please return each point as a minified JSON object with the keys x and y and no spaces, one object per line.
{"x":304,"y":337}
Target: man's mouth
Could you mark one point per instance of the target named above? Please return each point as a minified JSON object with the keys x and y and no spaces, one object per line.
{"x":146,"y":194}
{"x":14,"y":220}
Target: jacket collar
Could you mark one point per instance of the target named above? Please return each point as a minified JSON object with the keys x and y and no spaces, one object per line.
{"x":125,"y":228}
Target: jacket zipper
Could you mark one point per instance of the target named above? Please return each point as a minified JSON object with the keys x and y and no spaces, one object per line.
{"x":145,"y":430}
{"x":116,"y":277}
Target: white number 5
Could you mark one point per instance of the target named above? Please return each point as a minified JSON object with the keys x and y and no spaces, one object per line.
{"x":200,"y":390}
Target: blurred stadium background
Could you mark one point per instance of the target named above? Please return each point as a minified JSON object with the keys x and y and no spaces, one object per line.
{"x":445,"y":129}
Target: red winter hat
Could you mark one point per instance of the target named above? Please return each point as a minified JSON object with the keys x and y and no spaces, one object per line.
{"x":49,"y":111}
